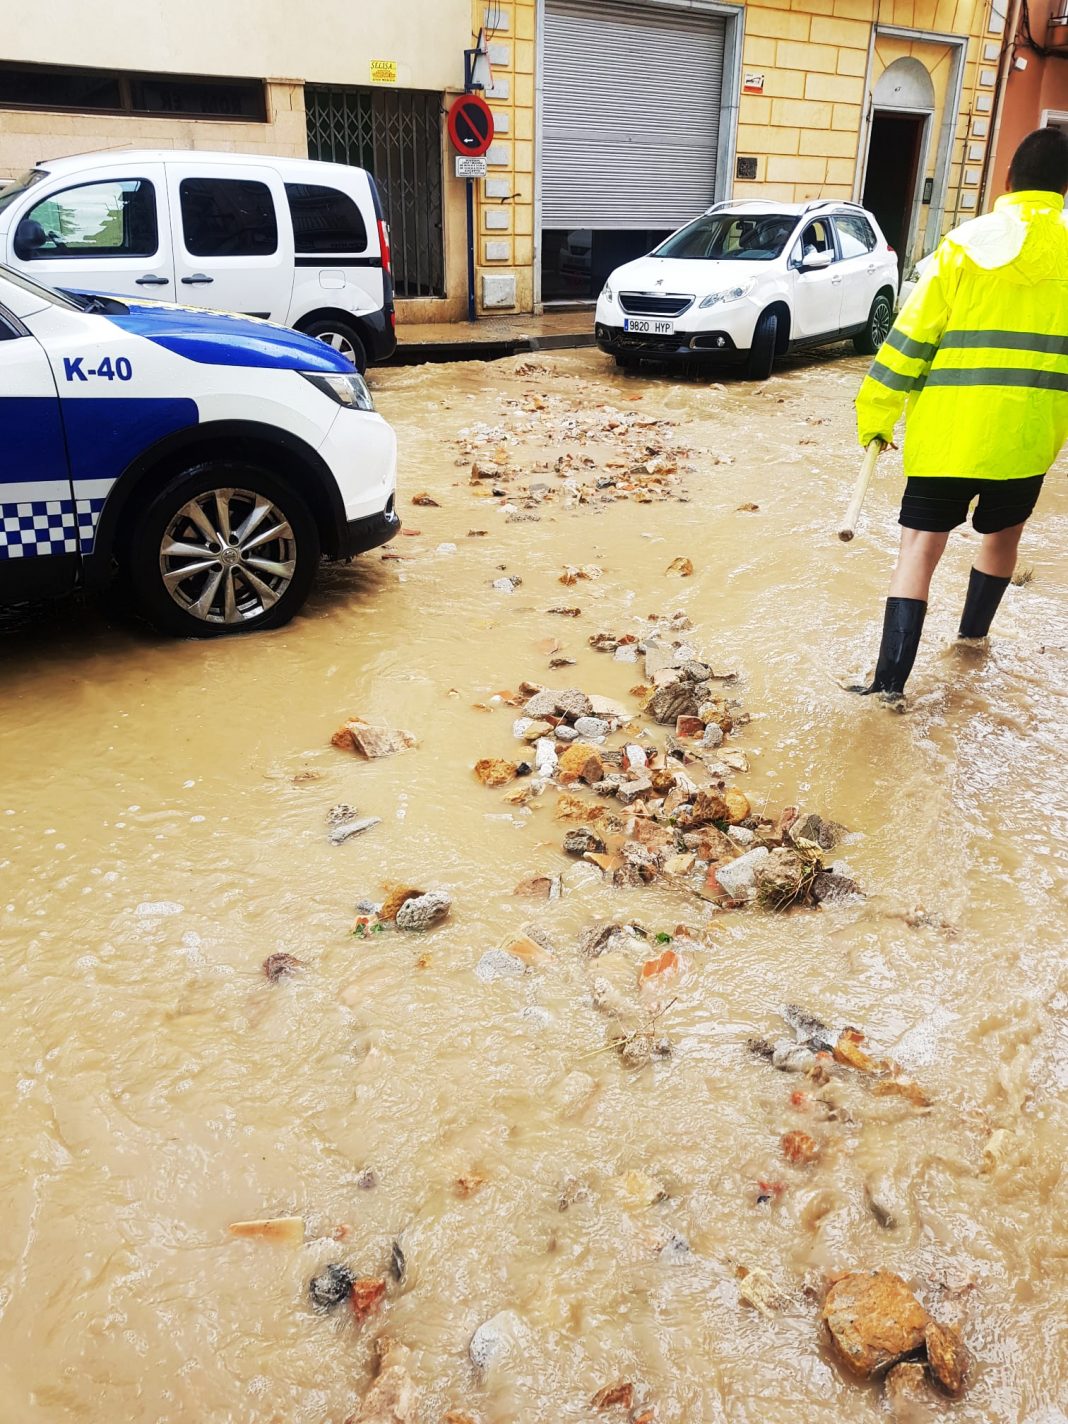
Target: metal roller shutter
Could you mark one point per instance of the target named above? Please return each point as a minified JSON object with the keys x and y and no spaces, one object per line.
{"x":631,"y":111}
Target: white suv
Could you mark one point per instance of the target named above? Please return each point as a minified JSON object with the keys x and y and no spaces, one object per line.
{"x":749,"y":281}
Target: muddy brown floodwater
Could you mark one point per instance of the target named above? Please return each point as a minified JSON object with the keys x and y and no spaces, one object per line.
{"x":164,"y":816}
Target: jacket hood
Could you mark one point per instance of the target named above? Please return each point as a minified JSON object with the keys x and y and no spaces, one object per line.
{"x":1028,"y":230}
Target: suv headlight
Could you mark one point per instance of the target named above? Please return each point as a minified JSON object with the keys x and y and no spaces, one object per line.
{"x":349,"y":390}
{"x":606,"y":292}
{"x":729,"y":294}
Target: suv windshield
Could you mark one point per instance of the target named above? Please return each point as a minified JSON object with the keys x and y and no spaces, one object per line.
{"x":15,"y":189}
{"x":731,"y":237}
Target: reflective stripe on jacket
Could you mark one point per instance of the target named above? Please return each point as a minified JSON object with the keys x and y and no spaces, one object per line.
{"x":978,"y":356}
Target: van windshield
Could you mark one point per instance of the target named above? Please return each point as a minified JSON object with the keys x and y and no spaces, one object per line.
{"x":15,"y":189}
{"x":731,"y":237}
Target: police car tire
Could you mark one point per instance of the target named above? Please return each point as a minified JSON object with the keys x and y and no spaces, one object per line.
{"x":142,"y":561}
{"x":326,"y":327}
{"x":761,"y":356}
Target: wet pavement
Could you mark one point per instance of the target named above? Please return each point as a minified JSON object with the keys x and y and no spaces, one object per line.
{"x":165,"y":818}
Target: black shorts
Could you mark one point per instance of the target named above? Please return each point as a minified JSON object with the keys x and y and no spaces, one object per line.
{"x":939,"y":505}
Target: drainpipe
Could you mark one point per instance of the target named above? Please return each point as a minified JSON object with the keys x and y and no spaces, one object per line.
{"x":1008,"y":53}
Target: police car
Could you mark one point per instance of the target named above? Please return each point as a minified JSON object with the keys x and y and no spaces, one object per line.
{"x":211,"y":459}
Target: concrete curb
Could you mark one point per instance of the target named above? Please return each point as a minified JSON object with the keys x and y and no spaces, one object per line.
{"x":418,"y":353}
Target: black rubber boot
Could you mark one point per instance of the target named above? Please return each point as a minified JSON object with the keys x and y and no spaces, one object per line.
{"x":984,"y":594}
{"x":902,"y":626}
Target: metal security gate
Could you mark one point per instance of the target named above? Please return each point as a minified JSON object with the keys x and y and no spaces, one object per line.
{"x":630,"y":126}
{"x":396,"y":135}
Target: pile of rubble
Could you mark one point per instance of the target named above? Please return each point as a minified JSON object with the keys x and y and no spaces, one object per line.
{"x":641,"y":458}
{"x":667,"y":812}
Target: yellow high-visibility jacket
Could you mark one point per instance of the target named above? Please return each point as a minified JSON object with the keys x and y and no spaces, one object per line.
{"x":979,"y":352}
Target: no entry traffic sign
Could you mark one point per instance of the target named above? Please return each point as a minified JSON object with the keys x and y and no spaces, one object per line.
{"x":471,"y":125}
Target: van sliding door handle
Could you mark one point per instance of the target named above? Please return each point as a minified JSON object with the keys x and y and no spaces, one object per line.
{"x":151,"y":281}
{"x":198,"y":279}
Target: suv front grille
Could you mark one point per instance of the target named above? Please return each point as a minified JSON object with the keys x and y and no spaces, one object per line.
{"x":655,"y":303}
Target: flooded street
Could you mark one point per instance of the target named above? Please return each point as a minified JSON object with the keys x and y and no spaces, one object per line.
{"x":164,"y":810}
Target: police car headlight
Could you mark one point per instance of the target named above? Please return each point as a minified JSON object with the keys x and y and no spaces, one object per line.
{"x":350,"y":390}
{"x":729,"y":294}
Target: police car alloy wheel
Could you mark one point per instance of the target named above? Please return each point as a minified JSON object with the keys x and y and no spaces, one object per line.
{"x":343,"y":338}
{"x":224,"y":548}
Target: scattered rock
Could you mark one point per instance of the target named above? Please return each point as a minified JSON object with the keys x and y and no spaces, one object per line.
{"x":581,"y":762}
{"x":540,"y":887}
{"x":499,"y":964}
{"x":784,"y":879}
{"x":398,"y":1266}
{"x":507,"y":585}
{"x":668,"y":704}
{"x":737,"y":878}
{"x":630,"y":791}
{"x":391,"y":1398}
{"x":541,"y":705}
{"x":830,"y":888}
{"x":280,"y":965}
{"x":371,"y":742}
{"x":613,"y":1394}
{"x":756,"y":1288}
{"x":330,"y":1287}
{"x":592,"y":726}
{"x":289,"y":1230}
{"x":874,"y":1320}
{"x":494,"y":771}
{"x":681,"y":566}
{"x":910,"y":1395}
{"x":367,"y":1295}
{"x":800,"y":1148}
{"x":574,"y":704}
{"x":494,"y":1338}
{"x":812,"y":832}
{"x":398,"y":896}
{"x":424,"y":911}
{"x":582,"y":840}
{"x":948,"y":1357}
{"x":345,"y":832}
{"x":424,"y":501}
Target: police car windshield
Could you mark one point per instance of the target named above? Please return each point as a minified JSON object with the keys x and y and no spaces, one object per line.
{"x":10,"y":191}
{"x":731,"y":237}
{"x":45,"y":294}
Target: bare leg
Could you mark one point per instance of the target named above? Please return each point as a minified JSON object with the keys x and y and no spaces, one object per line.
{"x":997,"y":557}
{"x":916,"y":562}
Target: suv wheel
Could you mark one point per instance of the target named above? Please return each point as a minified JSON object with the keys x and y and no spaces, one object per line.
{"x":223,"y":548}
{"x":880,"y":320}
{"x":345,"y":339}
{"x":761,"y":356}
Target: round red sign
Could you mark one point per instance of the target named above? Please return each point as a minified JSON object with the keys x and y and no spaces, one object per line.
{"x":471,"y":125}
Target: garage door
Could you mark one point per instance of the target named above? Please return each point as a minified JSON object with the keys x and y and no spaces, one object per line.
{"x":631,"y":114}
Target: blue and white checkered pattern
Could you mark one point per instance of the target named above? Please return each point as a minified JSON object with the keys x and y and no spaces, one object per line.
{"x":54,"y":526}
{"x":38,"y":527}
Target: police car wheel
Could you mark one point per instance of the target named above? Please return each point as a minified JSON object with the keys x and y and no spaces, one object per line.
{"x":224,"y":548}
{"x":343,"y":338}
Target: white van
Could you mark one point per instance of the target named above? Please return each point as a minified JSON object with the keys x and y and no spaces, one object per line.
{"x":287,"y":239}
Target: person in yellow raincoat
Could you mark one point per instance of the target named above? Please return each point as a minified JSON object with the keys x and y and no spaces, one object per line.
{"x":978,"y":360}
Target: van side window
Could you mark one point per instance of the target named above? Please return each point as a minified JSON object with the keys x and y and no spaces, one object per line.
{"x":112,"y":218}
{"x":227,"y":217}
{"x":325,"y":220}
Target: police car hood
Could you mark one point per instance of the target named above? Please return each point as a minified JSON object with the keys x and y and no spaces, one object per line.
{"x":216,"y":338}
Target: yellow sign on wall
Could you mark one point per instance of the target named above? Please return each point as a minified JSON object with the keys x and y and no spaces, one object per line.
{"x":383,"y":71}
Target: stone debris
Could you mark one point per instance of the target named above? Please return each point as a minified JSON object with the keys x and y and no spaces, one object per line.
{"x":288,"y":1230}
{"x":280,"y":966}
{"x":397,"y":895}
{"x":348,"y":829}
{"x":391,"y":1398}
{"x":372,"y":742}
{"x":423,"y":912}
{"x":873,"y":1320}
{"x":612,"y":1395}
{"x":495,"y":1338}
{"x":330,"y":1287}
{"x":495,"y":771}
{"x":367,"y":1295}
{"x":948,"y":1358}
{"x":756,"y":1288}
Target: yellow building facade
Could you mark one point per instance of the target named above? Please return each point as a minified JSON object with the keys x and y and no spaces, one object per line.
{"x":615,"y":119}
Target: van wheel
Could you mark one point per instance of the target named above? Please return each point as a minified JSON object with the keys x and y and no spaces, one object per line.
{"x":223,"y":548}
{"x":880,"y":320}
{"x":345,"y":339}
{"x":761,"y":356}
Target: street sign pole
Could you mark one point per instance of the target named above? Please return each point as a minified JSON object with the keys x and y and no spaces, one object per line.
{"x":471,"y":132}
{"x":470,"y":185}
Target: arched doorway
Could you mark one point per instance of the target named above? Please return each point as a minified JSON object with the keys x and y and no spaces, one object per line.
{"x":903,"y":106}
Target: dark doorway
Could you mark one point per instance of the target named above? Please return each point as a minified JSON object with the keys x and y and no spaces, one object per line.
{"x":893,"y":168}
